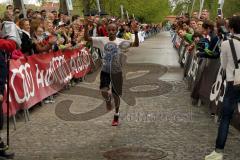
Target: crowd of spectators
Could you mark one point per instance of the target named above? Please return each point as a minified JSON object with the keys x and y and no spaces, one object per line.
{"x":43,"y":31}
{"x":201,"y":36}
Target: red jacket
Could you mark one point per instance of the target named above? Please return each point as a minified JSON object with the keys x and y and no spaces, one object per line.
{"x":7,"y":45}
{"x":102,"y":31}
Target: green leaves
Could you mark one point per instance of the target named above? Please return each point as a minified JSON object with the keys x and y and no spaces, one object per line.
{"x":144,"y":10}
{"x":230,"y":7}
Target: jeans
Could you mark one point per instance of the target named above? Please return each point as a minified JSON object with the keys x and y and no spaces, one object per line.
{"x":230,"y":100}
{"x":3,"y":76}
{"x":3,"y":72}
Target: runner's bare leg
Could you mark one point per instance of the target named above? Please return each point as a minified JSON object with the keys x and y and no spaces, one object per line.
{"x":117,"y":102}
{"x":107,"y":98}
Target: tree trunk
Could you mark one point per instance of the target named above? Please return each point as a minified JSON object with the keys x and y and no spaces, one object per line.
{"x":17,"y":3}
{"x":63,"y":6}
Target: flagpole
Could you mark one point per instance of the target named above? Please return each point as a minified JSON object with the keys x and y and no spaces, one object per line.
{"x":23,"y":9}
{"x":122,"y":13}
{"x":221,"y":3}
{"x":99,"y":8}
{"x":193,"y":4}
{"x":201,"y":8}
{"x":127,"y":15}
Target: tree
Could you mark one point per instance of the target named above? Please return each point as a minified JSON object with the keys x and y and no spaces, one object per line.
{"x":230,"y":7}
{"x":144,"y":10}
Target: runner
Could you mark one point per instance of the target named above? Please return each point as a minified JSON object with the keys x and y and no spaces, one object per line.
{"x":111,"y":74}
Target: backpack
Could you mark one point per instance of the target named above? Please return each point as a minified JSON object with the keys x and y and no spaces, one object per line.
{"x":236,"y":62}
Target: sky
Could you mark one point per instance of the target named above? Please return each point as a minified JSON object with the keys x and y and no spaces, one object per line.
{"x":25,"y":1}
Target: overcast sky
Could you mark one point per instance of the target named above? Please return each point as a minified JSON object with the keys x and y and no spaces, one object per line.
{"x":25,"y":1}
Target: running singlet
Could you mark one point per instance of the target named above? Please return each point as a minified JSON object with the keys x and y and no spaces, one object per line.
{"x":112,"y":52}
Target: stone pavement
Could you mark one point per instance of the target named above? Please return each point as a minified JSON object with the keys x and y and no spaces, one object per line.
{"x":157,"y":118}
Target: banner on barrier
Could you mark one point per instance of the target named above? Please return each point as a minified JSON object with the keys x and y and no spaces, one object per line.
{"x":36,"y":77}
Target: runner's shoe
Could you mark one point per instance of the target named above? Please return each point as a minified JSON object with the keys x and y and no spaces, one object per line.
{"x":115,"y":121}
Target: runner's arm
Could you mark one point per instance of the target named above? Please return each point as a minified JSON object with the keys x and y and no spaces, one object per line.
{"x":136,"y":41}
{"x":134,"y":27}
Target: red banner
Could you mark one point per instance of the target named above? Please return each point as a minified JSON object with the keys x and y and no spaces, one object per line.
{"x":36,"y":77}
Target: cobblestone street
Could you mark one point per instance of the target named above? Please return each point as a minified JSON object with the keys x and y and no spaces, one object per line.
{"x":157,"y":120}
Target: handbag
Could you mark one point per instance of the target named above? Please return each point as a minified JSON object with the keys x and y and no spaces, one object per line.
{"x":236,"y":81}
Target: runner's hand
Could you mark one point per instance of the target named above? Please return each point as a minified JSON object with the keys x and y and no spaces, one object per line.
{"x":134,"y":26}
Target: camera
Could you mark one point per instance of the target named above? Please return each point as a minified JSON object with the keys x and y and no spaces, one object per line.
{"x":201,"y":46}
{"x":219,"y":12}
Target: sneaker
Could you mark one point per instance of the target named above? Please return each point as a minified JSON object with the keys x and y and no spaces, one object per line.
{"x":51,"y":99}
{"x":46,"y":101}
{"x":115,"y":121}
{"x":214,"y":156}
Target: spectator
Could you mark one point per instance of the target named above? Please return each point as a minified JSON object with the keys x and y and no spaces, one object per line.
{"x":193,"y":24}
{"x":127,"y":34}
{"x":43,"y":13}
{"x":36,"y":15}
{"x":102,"y":29}
{"x":195,"y":15}
{"x":16,"y":11}
{"x":29,"y":14}
{"x":199,"y":25}
{"x":10,"y":29}
{"x":59,"y":20}
{"x":27,"y":44}
{"x":63,"y":40}
{"x":9,"y":7}
{"x":55,"y":14}
{"x":50,"y":16}
{"x":66,"y":19}
{"x":212,"y":51}
{"x":204,"y":15}
{"x":232,"y":93}
{"x":186,"y":36}
{"x":40,"y":44}
{"x":75,"y":17}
